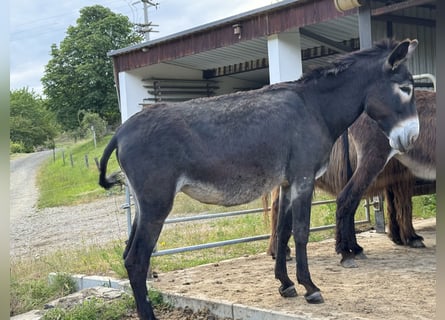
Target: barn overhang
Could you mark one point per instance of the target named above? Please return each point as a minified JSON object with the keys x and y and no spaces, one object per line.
{"x":238,"y":52}
{"x":274,"y":19}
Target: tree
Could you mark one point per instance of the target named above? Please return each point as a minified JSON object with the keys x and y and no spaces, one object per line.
{"x":93,"y":122}
{"x":79,"y":76}
{"x":31,"y":124}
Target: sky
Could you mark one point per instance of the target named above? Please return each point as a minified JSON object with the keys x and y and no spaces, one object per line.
{"x":36,"y":25}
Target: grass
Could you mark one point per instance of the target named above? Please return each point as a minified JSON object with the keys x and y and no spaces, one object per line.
{"x":36,"y":291}
{"x":61,"y":184}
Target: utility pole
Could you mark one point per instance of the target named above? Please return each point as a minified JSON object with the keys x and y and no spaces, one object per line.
{"x":146,"y":27}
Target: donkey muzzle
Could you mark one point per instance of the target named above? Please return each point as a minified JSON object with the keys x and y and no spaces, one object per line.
{"x":404,"y":134}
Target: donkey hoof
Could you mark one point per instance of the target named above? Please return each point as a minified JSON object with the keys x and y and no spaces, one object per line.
{"x":349,"y":263}
{"x":314,"y":298}
{"x":361,"y":256}
{"x":417,"y":244}
{"x":289,"y":292}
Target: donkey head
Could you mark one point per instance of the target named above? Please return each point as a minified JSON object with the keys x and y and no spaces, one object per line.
{"x":390,"y":100}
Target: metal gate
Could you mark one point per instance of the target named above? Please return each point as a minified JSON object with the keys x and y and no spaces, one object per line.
{"x":375,"y":202}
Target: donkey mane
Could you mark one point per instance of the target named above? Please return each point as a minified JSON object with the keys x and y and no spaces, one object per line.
{"x":344,"y":62}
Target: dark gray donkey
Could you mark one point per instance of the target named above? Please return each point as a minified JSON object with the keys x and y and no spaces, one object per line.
{"x":231,"y":149}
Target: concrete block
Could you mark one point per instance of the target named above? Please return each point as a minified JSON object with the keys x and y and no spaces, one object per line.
{"x":217,"y":308}
{"x":242,"y":312}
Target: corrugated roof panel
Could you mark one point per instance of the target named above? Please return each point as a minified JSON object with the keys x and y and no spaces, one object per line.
{"x":344,"y":28}
{"x":240,"y":52}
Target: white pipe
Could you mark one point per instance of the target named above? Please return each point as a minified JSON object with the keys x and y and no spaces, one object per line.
{"x":426,"y":76}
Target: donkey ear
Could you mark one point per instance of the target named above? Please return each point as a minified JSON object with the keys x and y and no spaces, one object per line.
{"x":402,"y":52}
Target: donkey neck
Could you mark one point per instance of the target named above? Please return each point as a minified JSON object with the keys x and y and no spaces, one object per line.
{"x":340,"y":98}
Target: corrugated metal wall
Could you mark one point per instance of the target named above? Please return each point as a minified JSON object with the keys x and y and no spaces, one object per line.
{"x":425,"y":56}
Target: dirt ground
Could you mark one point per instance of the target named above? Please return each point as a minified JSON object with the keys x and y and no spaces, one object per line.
{"x":393,"y":283}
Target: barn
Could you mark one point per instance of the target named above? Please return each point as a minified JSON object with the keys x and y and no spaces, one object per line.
{"x":267,"y":45}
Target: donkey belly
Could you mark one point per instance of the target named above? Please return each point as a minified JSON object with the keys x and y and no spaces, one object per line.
{"x":421,"y":170}
{"x":228,"y":192}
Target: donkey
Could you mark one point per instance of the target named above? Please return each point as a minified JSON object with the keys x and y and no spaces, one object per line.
{"x":367,"y":155}
{"x":222,"y":150}
{"x":397,"y":180}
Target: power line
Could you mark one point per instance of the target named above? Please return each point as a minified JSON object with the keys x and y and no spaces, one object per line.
{"x":55,"y":23}
{"x":146,"y":27}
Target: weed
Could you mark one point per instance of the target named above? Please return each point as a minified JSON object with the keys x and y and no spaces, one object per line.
{"x":34,"y":293}
{"x":156,"y":298}
{"x":94,"y":309}
{"x":63,"y":284}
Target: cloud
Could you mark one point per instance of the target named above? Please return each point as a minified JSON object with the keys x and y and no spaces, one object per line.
{"x":36,"y":25}
{"x":27,"y":76}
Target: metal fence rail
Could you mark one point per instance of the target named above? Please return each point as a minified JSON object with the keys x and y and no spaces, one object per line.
{"x":207,"y":216}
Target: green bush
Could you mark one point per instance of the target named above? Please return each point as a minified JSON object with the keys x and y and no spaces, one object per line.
{"x":424,"y":206}
{"x":17,"y":147}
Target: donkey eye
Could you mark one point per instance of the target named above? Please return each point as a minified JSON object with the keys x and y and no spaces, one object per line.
{"x":406,"y":90}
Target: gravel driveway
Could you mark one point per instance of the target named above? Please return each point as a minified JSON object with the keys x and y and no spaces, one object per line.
{"x":23,"y":191}
{"x":35,"y":232}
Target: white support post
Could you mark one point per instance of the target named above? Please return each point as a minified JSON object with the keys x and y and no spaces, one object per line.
{"x":364,"y":25}
{"x":131,"y":93}
{"x":284,"y":51}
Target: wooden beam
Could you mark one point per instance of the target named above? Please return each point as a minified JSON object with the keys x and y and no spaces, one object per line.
{"x":406,"y":20}
{"x":399,"y":6}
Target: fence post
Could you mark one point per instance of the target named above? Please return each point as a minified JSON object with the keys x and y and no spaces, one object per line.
{"x":96,"y":160}
{"x":379,"y":214}
{"x":71,"y":159}
{"x":86,"y":161}
{"x":94,"y":136}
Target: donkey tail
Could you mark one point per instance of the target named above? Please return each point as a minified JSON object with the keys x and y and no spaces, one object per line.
{"x":105,"y":182}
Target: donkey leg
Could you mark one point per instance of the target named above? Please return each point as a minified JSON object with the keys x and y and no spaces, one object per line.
{"x":148,"y":226}
{"x":283,"y":233}
{"x":132,"y":233}
{"x":137,"y":264}
{"x":272,"y":247}
{"x":346,"y":242}
{"x":399,"y":208}
{"x":301,"y":197}
{"x":393,"y":225}
{"x":348,"y":201}
{"x":274,"y":211}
